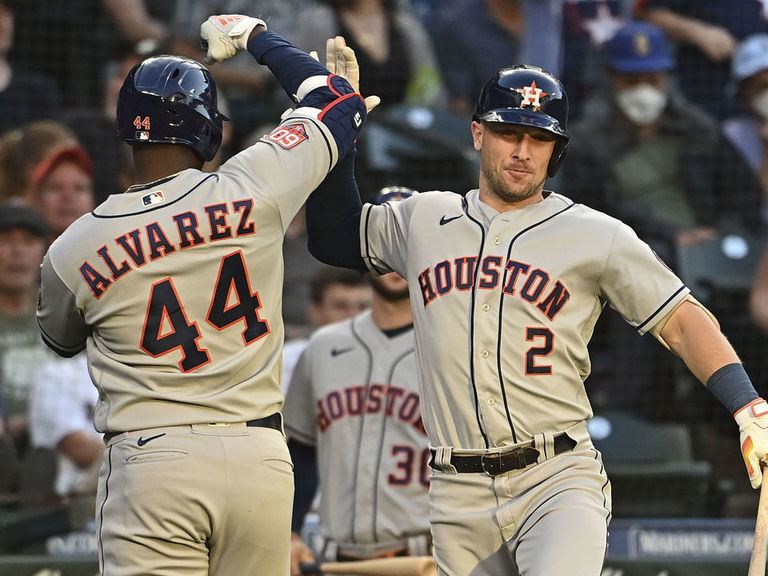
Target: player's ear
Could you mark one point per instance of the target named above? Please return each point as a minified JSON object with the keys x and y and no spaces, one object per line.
{"x":477,"y":135}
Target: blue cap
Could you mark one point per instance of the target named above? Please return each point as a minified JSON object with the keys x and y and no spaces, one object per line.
{"x":751,"y":57}
{"x":392,"y":193}
{"x":639,"y":47}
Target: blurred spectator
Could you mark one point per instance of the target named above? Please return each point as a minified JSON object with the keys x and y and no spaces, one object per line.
{"x":23,"y":149}
{"x":748,"y":129}
{"x":300,"y":270}
{"x":475,"y":38}
{"x":24,"y":96}
{"x":395,"y":53}
{"x":23,"y":235}
{"x":642,"y":153}
{"x":335,"y":294}
{"x":253,"y":96}
{"x":135,"y":22}
{"x":587,"y":26}
{"x":707,"y":33}
{"x":72,"y":42}
{"x":61,"y":419}
{"x":94,"y":128}
{"x":62,"y":188}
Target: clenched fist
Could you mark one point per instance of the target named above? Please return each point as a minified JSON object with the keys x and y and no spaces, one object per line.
{"x":225,"y":35}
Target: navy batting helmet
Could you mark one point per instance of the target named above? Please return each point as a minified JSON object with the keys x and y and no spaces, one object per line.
{"x":529,"y":96}
{"x":392,"y":193}
{"x":170,"y":100}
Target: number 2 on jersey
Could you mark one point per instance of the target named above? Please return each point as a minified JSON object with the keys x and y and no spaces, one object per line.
{"x":167,"y":328}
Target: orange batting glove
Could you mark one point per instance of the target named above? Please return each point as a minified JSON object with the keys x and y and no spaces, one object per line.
{"x":753,"y":428}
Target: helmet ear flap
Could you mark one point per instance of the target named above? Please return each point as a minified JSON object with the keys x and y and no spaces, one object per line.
{"x":558,"y":155}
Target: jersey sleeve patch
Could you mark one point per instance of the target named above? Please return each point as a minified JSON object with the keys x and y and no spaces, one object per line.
{"x":288,"y":136}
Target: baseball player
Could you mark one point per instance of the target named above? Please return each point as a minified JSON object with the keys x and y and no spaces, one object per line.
{"x":506,"y":285}
{"x":352,"y":410}
{"x":174,"y":290}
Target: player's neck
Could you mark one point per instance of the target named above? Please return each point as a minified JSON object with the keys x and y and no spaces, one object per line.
{"x":388,"y":315}
{"x":501,"y":205}
{"x":153,"y":162}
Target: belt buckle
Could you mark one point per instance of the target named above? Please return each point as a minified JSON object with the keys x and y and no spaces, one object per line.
{"x":491,"y":464}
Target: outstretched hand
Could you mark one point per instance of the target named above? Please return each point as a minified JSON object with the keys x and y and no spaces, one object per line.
{"x":340,"y":59}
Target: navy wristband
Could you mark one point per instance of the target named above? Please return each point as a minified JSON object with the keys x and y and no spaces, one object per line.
{"x":732,"y":387}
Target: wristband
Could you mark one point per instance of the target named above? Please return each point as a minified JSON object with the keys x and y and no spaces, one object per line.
{"x":732,"y":387}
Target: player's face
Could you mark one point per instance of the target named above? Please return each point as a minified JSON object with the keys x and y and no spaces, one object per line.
{"x":64,"y":196}
{"x":392,"y":287}
{"x":340,"y":302}
{"x":513,"y":164}
{"x":21,"y":253}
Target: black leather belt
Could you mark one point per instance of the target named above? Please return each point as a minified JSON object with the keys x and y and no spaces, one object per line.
{"x":272,"y":421}
{"x":498,"y":463}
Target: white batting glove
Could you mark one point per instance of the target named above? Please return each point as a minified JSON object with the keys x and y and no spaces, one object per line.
{"x":753,"y":428}
{"x":225,"y":35}
{"x":340,"y":59}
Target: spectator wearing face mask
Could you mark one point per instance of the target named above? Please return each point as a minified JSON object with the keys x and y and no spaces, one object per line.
{"x":748,"y":130}
{"x":643,"y":153}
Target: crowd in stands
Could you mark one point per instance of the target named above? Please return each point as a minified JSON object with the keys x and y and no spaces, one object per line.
{"x":669,"y":133}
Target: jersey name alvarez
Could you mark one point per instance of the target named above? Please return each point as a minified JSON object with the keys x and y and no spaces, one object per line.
{"x":392,"y":401}
{"x":533,"y":285}
{"x":153,"y":241}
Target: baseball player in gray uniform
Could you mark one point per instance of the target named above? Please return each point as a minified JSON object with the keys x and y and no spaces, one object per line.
{"x":352,"y":410}
{"x":174,"y":290}
{"x":506,"y":285}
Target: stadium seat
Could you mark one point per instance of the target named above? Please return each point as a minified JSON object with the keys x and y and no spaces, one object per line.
{"x":651,"y":468}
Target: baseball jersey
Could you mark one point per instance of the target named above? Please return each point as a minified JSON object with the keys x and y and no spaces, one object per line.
{"x":176,"y":334}
{"x":354,"y":396}
{"x":504,"y":305}
{"x":62,"y":402}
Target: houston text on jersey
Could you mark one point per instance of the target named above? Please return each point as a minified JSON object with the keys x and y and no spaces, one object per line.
{"x":393,"y":401}
{"x":445,"y":276}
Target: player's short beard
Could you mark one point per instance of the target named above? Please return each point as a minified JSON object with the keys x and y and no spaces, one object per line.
{"x":389,"y":294}
{"x":498,"y":187}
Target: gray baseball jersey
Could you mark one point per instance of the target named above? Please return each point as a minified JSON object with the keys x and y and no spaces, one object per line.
{"x":182,"y":335}
{"x":505,"y":304}
{"x":354,"y":395}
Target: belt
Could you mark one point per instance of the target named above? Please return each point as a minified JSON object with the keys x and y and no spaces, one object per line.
{"x":272,"y":421}
{"x":344,"y":557}
{"x":497,"y":463}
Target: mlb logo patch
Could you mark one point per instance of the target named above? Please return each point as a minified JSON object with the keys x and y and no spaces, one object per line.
{"x":288,"y":136}
{"x":142,"y":135}
{"x":153,"y":198}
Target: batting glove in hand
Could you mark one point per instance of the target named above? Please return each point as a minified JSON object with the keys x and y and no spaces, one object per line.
{"x":340,"y":59}
{"x":753,"y":428}
{"x":225,"y":35}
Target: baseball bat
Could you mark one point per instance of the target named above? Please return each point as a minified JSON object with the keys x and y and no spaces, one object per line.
{"x":760,"y":546}
{"x":400,"y":566}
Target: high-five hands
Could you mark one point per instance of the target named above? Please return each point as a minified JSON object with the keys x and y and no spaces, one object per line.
{"x":225,"y":35}
{"x":340,"y":59}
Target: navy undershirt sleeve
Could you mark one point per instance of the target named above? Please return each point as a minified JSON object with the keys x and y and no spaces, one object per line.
{"x":290,"y":65}
{"x":333,"y":218}
{"x":305,"y":479}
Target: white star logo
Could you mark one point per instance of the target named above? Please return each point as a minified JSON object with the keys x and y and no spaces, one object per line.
{"x":531,"y":96}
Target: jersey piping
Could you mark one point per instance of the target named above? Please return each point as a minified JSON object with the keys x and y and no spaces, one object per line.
{"x":382,"y":433}
{"x":501,"y":309}
{"x":660,"y":308}
{"x":159,"y":206}
{"x":476,"y":398}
